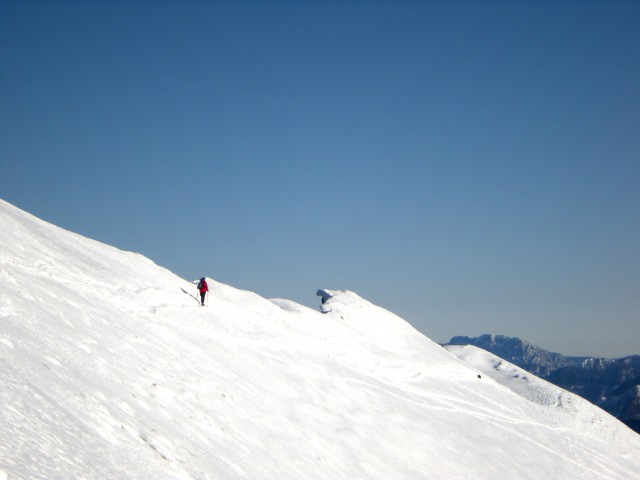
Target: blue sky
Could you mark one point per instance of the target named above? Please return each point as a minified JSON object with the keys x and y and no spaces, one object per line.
{"x":472,"y":166}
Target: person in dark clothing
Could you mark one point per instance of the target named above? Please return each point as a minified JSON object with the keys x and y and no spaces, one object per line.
{"x":203,"y":288}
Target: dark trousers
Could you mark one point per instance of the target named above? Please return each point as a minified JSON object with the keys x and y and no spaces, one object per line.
{"x":202,"y":295}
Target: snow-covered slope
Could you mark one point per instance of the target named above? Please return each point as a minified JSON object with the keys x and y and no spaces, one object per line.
{"x":531,"y":387}
{"x":110,"y":369}
{"x":613,"y":384}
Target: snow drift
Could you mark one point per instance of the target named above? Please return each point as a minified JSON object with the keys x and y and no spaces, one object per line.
{"x":111,"y":369}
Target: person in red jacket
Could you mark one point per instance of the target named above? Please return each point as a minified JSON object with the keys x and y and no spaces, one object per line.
{"x":203,"y":288}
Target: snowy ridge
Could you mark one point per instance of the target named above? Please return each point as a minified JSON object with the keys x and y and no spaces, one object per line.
{"x":111,"y":369}
{"x":564,"y":407}
{"x":533,"y":359}
{"x":610,"y":383}
{"x":513,"y":377}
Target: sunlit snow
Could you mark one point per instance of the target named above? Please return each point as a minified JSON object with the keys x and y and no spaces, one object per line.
{"x":111,"y":369}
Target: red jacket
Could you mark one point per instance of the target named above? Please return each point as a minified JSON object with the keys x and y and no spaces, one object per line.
{"x":203,"y":286}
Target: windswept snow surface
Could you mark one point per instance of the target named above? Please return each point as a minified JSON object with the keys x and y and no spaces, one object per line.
{"x":111,"y":369}
{"x":566,"y":405}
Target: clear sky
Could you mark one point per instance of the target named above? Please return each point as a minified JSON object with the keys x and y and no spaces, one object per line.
{"x":472,"y":166}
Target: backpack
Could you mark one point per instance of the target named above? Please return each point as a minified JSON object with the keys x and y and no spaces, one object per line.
{"x":199,"y":287}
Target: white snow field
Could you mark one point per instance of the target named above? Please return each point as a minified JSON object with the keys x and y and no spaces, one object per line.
{"x":110,"y":369}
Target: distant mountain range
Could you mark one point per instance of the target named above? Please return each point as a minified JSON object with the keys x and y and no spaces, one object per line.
{"x":612,"y":384}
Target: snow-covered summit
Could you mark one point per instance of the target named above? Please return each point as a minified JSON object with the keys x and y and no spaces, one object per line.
{"x":111,"y":369}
